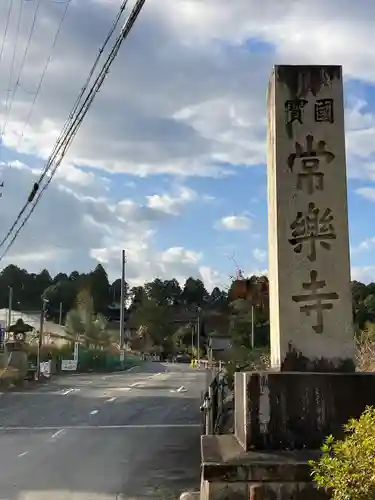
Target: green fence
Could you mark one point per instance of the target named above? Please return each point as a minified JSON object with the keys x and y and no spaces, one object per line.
{"x":89,"y":360}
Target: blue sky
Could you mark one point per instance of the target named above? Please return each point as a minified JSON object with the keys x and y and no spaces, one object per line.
{"x":169,"y":163}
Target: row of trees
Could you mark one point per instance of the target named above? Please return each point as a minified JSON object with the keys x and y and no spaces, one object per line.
{"x":152,"y":309}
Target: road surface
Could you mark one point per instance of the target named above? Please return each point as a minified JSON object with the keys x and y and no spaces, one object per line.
{"x":129,"y":435}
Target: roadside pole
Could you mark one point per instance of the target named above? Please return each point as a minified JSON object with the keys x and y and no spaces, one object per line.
{"x":10,"y":306}
{"x":198,"y":336}
{"x":122,"y":300}
{"x":40,"y":340}
{"x":252,"y":327}
{"x":9,"y":321}
{"x":60,"y":313}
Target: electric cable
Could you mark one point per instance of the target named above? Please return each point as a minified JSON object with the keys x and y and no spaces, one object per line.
{"x":62,"y":146}
{"x":67,"y":124}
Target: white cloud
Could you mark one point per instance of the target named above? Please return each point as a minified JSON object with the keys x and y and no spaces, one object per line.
{"x":364,"y":245}
{"x":260,"y":255}
{"x":235,"y":223}
{"x":365,"y":274}
{"x":171,"y":204}
{"x":367,"y":192}
{"x":185,"y":98}
{"x":70,"y":231}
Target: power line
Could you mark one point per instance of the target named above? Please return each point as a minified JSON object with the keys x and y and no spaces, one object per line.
{"x":23,"y":61}
{"x":44,"y":72}
{"x":19,"y":18}
{"x":68,"y":124}
{"x":62,"y":147}
{"x":6,"y":28}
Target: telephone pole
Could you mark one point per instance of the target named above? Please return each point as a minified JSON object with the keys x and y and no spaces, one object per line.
{"x":199,"y":335}
{"x":41,"y":335}
{"x":10,"y":306}
{"x":122,"y":300}
{"x":60,"y":313}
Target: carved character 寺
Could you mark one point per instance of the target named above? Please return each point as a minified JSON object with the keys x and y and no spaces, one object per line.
{"x":315,"y":300}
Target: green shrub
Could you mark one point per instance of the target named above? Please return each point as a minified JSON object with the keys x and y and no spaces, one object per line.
{"x":346,"y":468}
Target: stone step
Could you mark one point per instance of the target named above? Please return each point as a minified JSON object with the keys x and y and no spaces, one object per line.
{"x":230,"y":472}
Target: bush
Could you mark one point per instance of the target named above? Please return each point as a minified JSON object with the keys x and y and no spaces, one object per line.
{"x":244,"y":359}
{"x":346,"y":468}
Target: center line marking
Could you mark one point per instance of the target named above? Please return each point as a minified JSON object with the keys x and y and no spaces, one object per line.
{"x":67,"y":392}
{"x":57,"y":433}
{"x":101,"y":427}
{"x":23,"y":454}
{"x":94,"y":412}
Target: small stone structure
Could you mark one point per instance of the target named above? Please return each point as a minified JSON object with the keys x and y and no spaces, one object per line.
{"x":283,"y":416}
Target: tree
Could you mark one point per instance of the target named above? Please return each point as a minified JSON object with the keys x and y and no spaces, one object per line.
{"x":100,"y":289}
{"x":157,"y":321}
{"x":172,"y":292}
{"x":194,"y":292}
{"x":155,"y":290}
{"x":83,"y":324}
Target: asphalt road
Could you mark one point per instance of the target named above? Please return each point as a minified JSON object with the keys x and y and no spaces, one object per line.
{"x":130,"y":435}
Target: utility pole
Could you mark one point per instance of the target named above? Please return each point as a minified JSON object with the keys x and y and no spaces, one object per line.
{"x":192,"y":340}
{"x":60,"y":313}
{"x":198,"y":335}
{"x":10,"y":306}
{"x":122,"y":300}
{"x":252,"y":327}
{"x":40,"y":340}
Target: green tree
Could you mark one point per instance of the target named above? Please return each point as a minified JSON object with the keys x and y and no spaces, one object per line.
{"x":157,"y":321}
{"x":83,"y":324}
{"x":194,"y":292}
{"x":100,"y":289}
{"x":155,"y":290}
{"x":172,"y":292}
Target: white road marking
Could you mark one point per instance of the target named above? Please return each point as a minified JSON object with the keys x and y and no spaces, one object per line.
{"x":68,"y":391}
{"x":23,"y":454}
{"x":94,"y":412}
{"x":110,"y":400}
{"x":181,"y":389}
{"x":57,"y":433}
{"x":122,"y":388}
{"x":104,"y":427}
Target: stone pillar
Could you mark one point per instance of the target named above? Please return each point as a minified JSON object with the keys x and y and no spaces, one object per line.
{"x":309,"y":268}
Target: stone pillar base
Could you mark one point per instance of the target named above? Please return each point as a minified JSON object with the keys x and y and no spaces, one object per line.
{"x":297,"y":410}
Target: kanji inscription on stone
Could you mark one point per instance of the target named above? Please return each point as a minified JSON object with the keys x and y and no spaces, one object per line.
{"x":315,"y":300}
{"x":311,"y":228}
{"x":324,"y":110}
{"x":310,"y":162}
{"x":293,"y":110}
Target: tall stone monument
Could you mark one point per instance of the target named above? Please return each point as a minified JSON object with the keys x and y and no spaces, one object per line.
{"x":282,"y":416}
{"x":309,"y":268}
